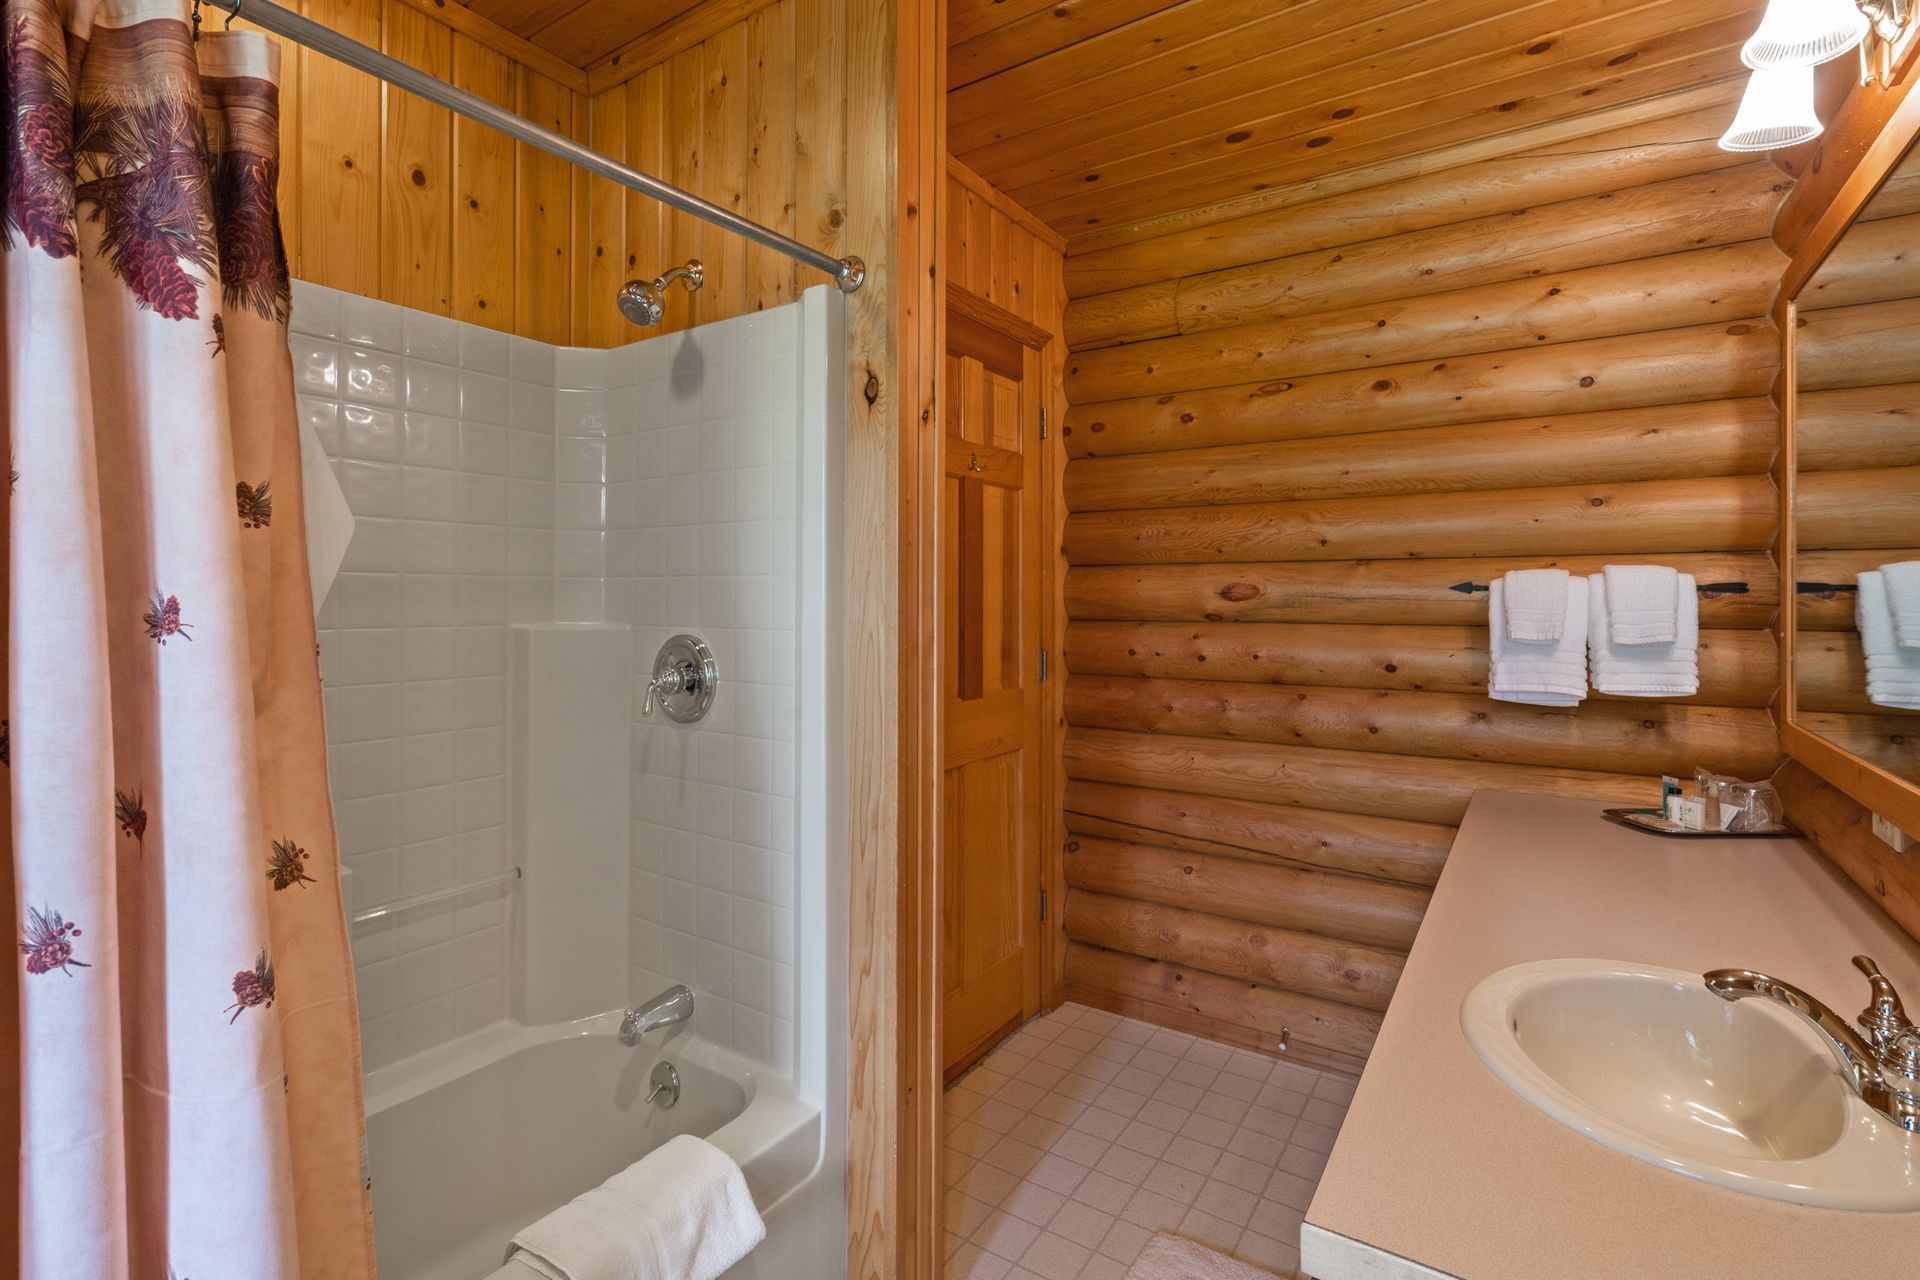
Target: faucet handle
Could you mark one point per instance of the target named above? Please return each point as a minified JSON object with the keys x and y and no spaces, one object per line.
{"x":1885,"y":1017}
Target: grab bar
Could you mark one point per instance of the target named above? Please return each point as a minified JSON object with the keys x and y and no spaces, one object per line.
{"x":426,"y":896}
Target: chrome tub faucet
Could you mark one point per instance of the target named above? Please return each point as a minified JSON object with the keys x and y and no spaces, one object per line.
{"x":1882,"y":1059}
{"x":673,"y":1005}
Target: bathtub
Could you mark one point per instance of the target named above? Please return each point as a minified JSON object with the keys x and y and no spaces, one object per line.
{"x":469,"y":1142}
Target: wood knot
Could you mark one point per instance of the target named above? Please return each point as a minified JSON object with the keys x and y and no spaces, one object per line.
{"x":872,"y":389}
{"x":1239,"y":135}
{"x":1343,"y":113}
{"x":1239,"y":592}
{"x":1320,"y":141}
{"x":1587,"y":381}
{"x":1623,"y":59}
{"x":417,"y":176}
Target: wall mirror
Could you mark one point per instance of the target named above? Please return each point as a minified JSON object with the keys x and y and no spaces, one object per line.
{"x":1850,"y":471}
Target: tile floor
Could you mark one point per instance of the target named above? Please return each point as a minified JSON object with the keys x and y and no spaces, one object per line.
{"x":1084,"y":1133}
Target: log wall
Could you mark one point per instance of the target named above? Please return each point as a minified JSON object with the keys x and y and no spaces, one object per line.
{"x":1291,"y":434}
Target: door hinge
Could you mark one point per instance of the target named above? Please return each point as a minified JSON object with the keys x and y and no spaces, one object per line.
{"x":1043,"y":906}
{"x":1043,"y":666}
{"x":1043,"y":424}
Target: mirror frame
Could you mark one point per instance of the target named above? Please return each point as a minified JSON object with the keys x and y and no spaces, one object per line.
{"x":1887,"y":794}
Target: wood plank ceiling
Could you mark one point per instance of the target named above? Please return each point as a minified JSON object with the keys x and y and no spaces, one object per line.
{"x":580,"y":31}
{"x":1095,"y":114}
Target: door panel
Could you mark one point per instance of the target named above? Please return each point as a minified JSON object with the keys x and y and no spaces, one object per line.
{"x":990,"y":528}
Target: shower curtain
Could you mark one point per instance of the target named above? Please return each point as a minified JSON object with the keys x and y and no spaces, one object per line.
{"x":180,"y":1069}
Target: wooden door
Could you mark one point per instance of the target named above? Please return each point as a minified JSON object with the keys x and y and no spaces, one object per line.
{"x":991,"y":528}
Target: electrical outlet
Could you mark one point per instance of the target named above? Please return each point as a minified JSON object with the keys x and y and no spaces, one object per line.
{"x":1896,"y":839}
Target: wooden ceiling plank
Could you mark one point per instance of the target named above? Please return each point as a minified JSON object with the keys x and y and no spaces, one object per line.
{"x":1193,"y":39}
{"x":675,"y":36}
{"x":1243,"y":100}
{"x":1448,"y":194}
{"x":967,"y":19}
{"x":1148,"y":200}
{"x":1491,"y":80}
{"x":1052,"y":28}
{"x":522,"y":17}
{"x":597,"y":26}
{"x":1114,"y":257}
{"x":486,"y":32}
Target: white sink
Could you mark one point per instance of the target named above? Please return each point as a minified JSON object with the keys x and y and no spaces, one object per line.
{"x":1647,"y":1061}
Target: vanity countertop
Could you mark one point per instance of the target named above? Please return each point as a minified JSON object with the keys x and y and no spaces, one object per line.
{"x":1442,"y":1164}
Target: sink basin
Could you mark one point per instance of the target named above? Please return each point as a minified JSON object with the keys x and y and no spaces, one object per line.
{"x":1647,"y":1061}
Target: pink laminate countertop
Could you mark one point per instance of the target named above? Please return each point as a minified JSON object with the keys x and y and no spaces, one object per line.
{"x":1441,"y":1163}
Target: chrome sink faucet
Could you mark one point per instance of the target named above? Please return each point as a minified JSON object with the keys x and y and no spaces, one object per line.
{"x":675,"y":1004}
{"x":1882,"y":1059}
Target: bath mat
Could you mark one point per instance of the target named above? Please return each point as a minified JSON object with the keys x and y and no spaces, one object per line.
{"x":1170,"y":1257}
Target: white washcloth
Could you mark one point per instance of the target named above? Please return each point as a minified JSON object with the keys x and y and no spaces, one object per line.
{"x":1536,"y":604}
{"x":1893,"y":673}
{"x":1903,"y":599}
{"x":1643,"y":603}
{"x":1645,"y":670}
{"x":1542,"y":673}
{"x":682,"y":1212}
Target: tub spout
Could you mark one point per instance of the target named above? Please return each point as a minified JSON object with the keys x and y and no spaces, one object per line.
{"x":675,"y":1004}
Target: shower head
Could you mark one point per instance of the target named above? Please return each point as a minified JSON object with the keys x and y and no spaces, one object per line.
{"x":644,"y":302}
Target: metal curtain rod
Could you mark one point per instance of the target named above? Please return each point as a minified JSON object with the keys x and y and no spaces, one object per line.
{"x":849,"y":273}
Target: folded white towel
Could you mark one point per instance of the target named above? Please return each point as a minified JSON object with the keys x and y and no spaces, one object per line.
{"x":1903,"y":599}
{"x":683,"y":1212}
{"x":1643,"y":604}
{"x":1893,"y":672}
{"x":1536,"y":604}
{"x":1644,"y":670}
{"x":1544,"y":673}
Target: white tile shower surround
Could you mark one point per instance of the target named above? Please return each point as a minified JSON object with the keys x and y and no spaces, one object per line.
{"x":1084,"y":1133}
{"x":497,"y":480}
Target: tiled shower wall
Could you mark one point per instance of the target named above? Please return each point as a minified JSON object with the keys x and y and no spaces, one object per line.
{"x":705,"y":512}
{"x":496,"y":480}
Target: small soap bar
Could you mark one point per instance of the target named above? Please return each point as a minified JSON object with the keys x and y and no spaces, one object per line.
{"x":1690,"y":812}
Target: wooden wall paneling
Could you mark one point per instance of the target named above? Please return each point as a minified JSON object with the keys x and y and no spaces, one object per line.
{"x":767,"y":195}
{"x":650,"y":48}
{"x":819,"y":129}
{"x":605,"y":257}
{"x":646,"y":218}
{"x":543,"y":203}
{"x":484,"y":208}
{"x":723,"y":171}
{"x":416,"y":168}
{"x":687,"y":236}
{"x":338,"y":210}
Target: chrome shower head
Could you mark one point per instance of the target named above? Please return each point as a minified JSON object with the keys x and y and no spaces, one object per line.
{"x":644,"y":302}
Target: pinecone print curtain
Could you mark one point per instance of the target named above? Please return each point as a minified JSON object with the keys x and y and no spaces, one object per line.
{"x":181,"y":1075}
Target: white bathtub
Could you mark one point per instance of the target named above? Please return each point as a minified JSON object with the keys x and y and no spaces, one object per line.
{"x":470,"y":1142}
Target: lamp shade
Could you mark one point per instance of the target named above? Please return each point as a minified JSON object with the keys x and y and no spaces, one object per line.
{"x":1802,"y":33}
{"x":1775,"y":111}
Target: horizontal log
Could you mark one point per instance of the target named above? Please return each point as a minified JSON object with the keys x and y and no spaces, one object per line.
{"x":1292,"y":961}
{"x":1884,"y":737}
{"x":1638,"y":151}
{"x":1252,"y":1039}
{"x":1323,"y":1023}
{"x":1376,"y":913}
{"x":1643,"y":736}
{"x":1712,"y":438}
{"x":1829,"y":673}
{"x":1737,"y":668}
{"x":1689,"y":212}
{"x":1837,"y":430}
{"x":1673,"y":366}
{"x":1382,"y":848}
{"x":1398,"y":591}
{"x":1873,"y":262}
{"x":1723,"y":284}
{"x":1416,"y":788}
{"x":1867,"y":345}
{"x":1721,"y":514}
{"x":1857,"y":510}
{"x":1833,"y":610}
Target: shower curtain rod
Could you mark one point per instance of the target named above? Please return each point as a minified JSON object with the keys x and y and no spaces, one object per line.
{"x":849,"y":273}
